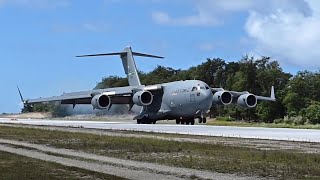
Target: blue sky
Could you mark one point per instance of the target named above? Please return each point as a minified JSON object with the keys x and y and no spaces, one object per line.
{"x":40,"y":38}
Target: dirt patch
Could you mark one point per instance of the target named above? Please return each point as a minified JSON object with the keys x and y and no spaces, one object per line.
{"x":34,"y":115}
{"x":114,"y":166}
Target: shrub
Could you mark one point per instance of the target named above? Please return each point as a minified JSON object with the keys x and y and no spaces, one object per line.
{"x":278,"y":121}
{"x":223,"y":118}
{"x":313,"y":113}
{"x":287,"y":120}
{"x":298,"y":120}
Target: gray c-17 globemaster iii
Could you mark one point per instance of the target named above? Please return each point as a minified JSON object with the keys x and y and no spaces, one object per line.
{"x":183,"y":101}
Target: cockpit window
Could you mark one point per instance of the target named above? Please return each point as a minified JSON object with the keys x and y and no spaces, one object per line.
{"x":202,"y":87}
{"x":194,"y":88}
{"x":207,"y":87}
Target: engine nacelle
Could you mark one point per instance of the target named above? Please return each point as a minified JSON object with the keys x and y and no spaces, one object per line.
{"x":222,"y":98}
{"x":142,"y":98}
{"x":101,"y":101}
{"x":247,"y":101}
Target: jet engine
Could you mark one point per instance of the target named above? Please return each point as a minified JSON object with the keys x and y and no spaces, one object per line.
{"x":247,"y":101}
{"x":142,"y":98}
{"x":222,"y":98}
{"x":101,"y":101}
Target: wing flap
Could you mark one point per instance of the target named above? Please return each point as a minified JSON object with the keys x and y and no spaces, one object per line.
{"x":58,"y":98}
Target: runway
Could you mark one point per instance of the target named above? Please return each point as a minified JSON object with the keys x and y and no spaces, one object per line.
{"x":303,"y":135}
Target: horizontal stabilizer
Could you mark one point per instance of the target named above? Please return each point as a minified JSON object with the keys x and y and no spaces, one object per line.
{"x":106,"y":54}
{"x":122,"y":54}
{"x":146,"y":55}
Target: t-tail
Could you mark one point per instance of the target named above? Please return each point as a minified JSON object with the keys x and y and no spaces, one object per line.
{"x":128,"y":62}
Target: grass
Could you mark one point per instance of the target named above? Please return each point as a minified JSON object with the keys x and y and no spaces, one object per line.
{"x":267,"y":125}
{"x":19,"y":167}
{"x":213,"y":157}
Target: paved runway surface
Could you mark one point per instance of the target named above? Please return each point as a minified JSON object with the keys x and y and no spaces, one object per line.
{"x":225,"y":131}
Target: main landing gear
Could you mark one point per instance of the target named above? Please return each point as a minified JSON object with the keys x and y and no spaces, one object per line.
{"x":190,"y":121}
{"x":146,"y":120}
{"x":185,"y":121}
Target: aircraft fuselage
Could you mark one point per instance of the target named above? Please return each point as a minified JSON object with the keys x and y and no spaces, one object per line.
{"x":180,"y":99}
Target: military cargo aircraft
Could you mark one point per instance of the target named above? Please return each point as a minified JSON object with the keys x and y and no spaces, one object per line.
{"x":183,"y":101}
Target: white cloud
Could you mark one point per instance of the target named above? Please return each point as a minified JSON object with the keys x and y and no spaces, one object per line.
{"x":95,"y":27}
{"x":207,"y":13}
{"x":200,"y":19}
{"x":292,"y":36}
{"x":225,"y":5}
{"x":206,"y":46}
{"x":41,"y":4}
{"x":284,"y":29}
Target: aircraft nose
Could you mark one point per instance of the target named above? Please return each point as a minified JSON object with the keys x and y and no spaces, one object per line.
{"x":207,"y":94}
{"x":207,"y":97}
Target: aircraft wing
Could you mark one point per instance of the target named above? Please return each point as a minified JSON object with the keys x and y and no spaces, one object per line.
{"x":119,"y":95}
{"x":236,"y":94}
{"x":261,"y":98}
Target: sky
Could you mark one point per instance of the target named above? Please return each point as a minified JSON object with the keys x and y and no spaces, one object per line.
{"x":39,"y":39}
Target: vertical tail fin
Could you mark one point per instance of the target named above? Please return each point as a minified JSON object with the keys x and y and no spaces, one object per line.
{"x":128,"y":62}
{"x":130,"y":67}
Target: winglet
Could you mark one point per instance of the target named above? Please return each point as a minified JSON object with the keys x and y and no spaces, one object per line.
{"x":272,"y":96}
{"x":23,"y":101}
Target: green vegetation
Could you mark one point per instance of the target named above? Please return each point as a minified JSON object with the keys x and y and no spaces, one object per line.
{"x":282,"y":164}
{"x":278,"y":123}
{"x":55,"y":108}
{"x":223,"y":118}
{"x":312,"y":113}
{"x":19,"y":167}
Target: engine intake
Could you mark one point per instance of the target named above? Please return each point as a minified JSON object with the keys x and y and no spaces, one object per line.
{"x":101,"y":101}
{"x":142,"y":98}
{"x":222,"y":98}
{"x":247,"y":101}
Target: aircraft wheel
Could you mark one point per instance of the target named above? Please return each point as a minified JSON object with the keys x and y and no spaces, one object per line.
{"x":154,"y":122}
{"x":178,"y":121}
{"x":145,"y":120}
{"x":192,"y":121}
{"x":200,"y":120}
{"x":138,"y":121}
{"x":182,"y":121}
{"x":204,"y":120}
{"x":188,"y":122}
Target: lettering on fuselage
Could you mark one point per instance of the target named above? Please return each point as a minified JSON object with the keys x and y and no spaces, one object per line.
{"x":179,"y":91}
{"x":192,"y":98}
